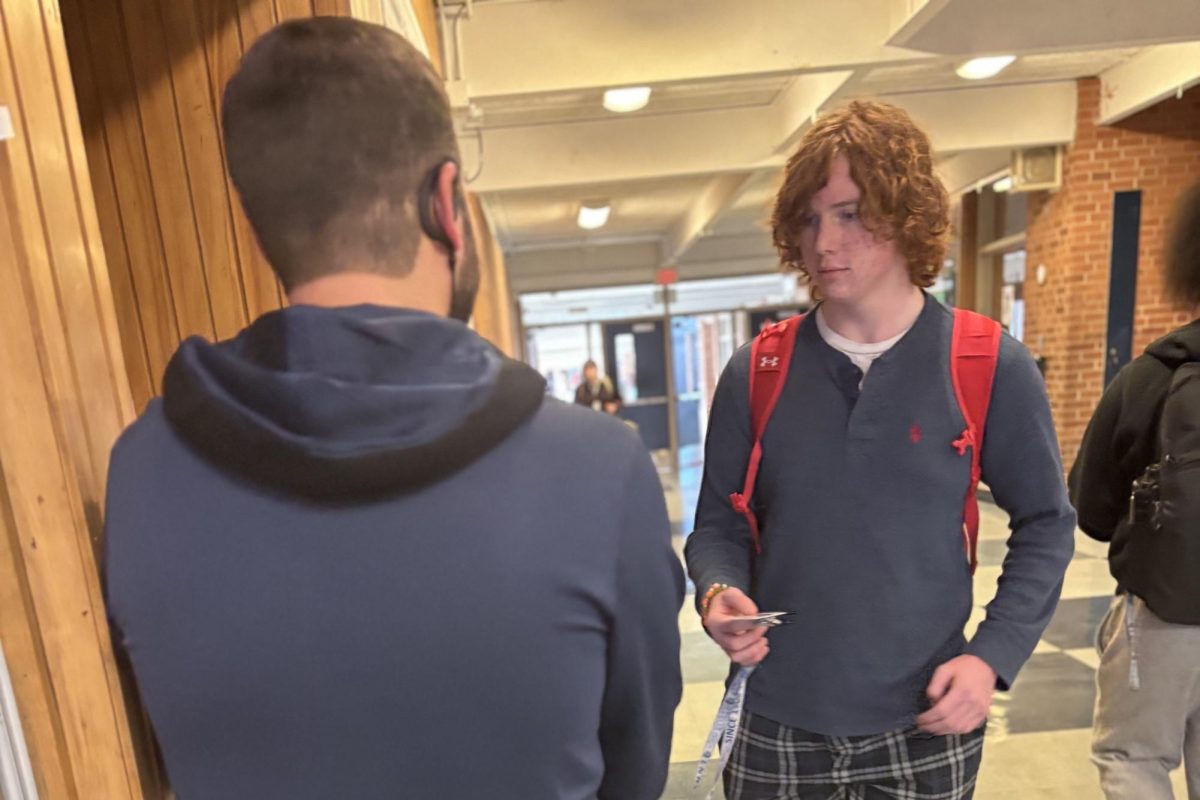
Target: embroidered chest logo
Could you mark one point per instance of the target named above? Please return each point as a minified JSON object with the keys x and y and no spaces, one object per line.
{"x":914,"y":433}
{"x":768,"y":361}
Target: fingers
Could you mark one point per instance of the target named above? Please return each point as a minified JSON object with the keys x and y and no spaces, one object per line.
{"x":746,"y":644}
{"x":956,"y":712}
{"x":736,"y":643}
{"x":963,"y":723}
{"x":753,"y":653}
{"x":733,"y":603}
{"x":725,"y":608}
{"x":961,"y":690}
{"x":726,"y":626}
{"x":940,"y":683}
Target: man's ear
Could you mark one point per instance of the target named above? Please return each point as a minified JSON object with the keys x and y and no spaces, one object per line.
{"x":448,"y":206}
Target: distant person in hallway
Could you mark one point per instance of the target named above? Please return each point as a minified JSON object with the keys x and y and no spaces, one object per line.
{"x":597,"y":391}
{"x":873,"y":691}
{"x":350,"y":552}
{"x":1137,"y":486}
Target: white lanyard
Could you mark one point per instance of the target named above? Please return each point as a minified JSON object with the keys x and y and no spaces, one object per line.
{"x":724,"y":729}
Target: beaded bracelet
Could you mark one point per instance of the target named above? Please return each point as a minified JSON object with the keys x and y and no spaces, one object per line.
{"x":712,"y":592}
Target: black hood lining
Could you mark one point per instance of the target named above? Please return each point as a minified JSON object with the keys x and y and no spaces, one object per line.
{"x":236,"y":445}
{"x":1178,"y":347}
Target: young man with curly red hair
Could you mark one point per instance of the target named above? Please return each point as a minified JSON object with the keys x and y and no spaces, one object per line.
{"x":873,"y":691}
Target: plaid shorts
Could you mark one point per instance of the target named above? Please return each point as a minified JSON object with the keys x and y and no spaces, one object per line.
{"x":774,"y":762}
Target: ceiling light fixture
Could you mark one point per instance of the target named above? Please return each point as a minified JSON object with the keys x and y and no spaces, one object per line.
{"x":979,"y":68}
{"x":622,"y":101}
{"x":593,"y":214}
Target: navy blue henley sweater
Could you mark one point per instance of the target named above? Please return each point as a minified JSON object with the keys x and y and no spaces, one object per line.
{"x":860,"y":498}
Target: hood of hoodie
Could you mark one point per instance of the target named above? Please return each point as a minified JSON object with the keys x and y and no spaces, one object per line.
{"x":346,"y":404}
{"x":1179,"y":346}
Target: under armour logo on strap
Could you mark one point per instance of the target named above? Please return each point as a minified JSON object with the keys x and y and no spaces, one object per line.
{"x":766,"y":362}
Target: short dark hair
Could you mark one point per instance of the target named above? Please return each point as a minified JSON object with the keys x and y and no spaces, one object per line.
{"x":331,"y":125}
{"x":1181,"y":265}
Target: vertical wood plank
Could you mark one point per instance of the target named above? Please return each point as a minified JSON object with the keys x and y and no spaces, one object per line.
{"x":293,"y":9}
{"x":23,"y":647}
{"x":164,"y":149}
{"x":84,"y":315}
{"x":493,"y":312}
{"x":119,"y":131}
{"x":48,"y":510}
{"x":93,"y":331}
{"x":367,"y":10}
{"x":137,"y":363}
{"x":205,"y":168}
{"x":331,"y":8}
{"x":40,"y":423}
{"x":426,"y":13}
{"x":255,"y":18}
{"x":225,"y":48}
{"x":41,"y":146}
{"x":94,"y":267}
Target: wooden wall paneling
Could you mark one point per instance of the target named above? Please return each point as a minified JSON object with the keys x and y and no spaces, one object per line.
{"x":118,"y":130}
{"x":492,"y":318}
{"x":129,"y":322}
{"x":220,"y":31}
{"x":331,"y":8}
{"x":48,"y":193}
{"x":41,"y":429}
{"x":205,"y":167}
{"x":427,"y":18}
{"x":169,"y":180}
{"x":263,"y":293}
{"x":90,"y":314}
{"x":23,"y":649}
{"x":48,"y":514}
{"x":255,"y":18}
{"x":293,"y":9}
{"x":367,"y":10}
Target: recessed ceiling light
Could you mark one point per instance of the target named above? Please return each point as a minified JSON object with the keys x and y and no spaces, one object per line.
{"x":622,"y":101}
{"x":593,"y":214}
{"x":979,"y":68}
{"x":1003,"y":185}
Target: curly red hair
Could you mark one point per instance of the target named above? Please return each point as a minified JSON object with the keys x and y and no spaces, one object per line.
{"x":891,"y":161}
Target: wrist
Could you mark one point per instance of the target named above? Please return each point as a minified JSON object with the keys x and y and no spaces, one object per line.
{"x":709,"y":595}
{"x":981,"y":662}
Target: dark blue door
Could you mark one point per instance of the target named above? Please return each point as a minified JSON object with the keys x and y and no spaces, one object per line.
{"x":637,"y":357}
{"x":1122,"y":281}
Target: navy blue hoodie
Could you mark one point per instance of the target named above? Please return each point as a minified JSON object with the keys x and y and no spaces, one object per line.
{"x":351,"y":553}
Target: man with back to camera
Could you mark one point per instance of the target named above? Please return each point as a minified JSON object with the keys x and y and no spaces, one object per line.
{"x":872,"y":691}
{"x":345,"y":551}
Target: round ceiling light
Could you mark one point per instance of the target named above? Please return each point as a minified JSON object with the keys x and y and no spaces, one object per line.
{"x":622,"y":101}
{"x":978,"y":69}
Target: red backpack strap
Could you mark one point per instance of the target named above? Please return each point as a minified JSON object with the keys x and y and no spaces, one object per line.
{"x":770,"y":357}
{"x":974,"y":351}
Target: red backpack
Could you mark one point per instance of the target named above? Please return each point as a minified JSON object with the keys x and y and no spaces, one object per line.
{"x":974,"y":350}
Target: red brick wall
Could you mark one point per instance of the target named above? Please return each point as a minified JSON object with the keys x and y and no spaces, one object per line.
{"x":1070,"y":232}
